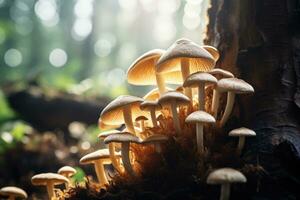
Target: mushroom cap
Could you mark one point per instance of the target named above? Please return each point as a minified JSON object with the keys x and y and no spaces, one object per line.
{"x":199,"y":58}
{"x":153,"y":94}
{"x":102,"y":154}
{"x":213,"y":51}
{"x":122,"y":138}
{"x":104,"y":126}
{"x":112,"y":114}
{"x":200,"y":117}
{"x":44,"y":178}
{"x":150,"y":105}
{"x":107,"y":133}
{"x":13,"y":191}
{"x":172,"y":96}
{"x":141,"y":118}
{"x":157,"y":138}
{"x":221,"y":72}
{"x":235,"y":85}
{"x":242,"y":132}
{"x":67,"y":169}
{"x":197,"y":78}
{"x":225,"y":175}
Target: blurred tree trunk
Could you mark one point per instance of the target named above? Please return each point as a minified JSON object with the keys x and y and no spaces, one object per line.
{"x":259,"y":40}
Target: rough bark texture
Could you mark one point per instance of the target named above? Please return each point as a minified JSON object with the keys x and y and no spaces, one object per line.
{"x":259,"y":41}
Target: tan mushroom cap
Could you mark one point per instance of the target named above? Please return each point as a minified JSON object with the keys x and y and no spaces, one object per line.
{"x":213,"y":51}
{"x":44,"y":178}
{"x":199,"y":58}
{"x":178,"y":97}
{"x":155,"y":139}
{"x":67,"y":170}
{"x":141,"y":118}
{"x":107,"y":133}
{"x":102,"y":154}
{"x":236,"y":85}
{"x":225,"y":175}
{"x":123,"y":137}
{"x":221,"y":72}
{"x":13,"y":191}
{"x":104,"y":126}
{"x":242,"y":132}
{"x":113,"y":113}
{"x":149,"y":105}
{"x":195,"y":79}
{"x":200,"y":117}
{"x":153,"y":94}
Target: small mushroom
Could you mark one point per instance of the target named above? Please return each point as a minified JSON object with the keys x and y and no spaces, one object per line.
{"x":242,"y":133}
{"x":232,"y":86}
{"x":213,"y":51}
{"x":156,"y":139}
{"x":151,"y":106}
{"x":225,"y":177}
{"x":67,"y":172}
{"x":200,"y":118}
{"x":98,"y":158}
{"x":219,"y":74}
{"x":125,"y":138}
{"x":49,"y":180}
{"x":141,"y":120}
{"x":13,"y":192}
{"x":174,"y":99}
{"x":122,"y":110}
{"x":199,"y":79}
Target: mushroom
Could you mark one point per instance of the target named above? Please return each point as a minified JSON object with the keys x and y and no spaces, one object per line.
{"x":153,"y":94}
{"x":111,"y":149}
{"x":67,"y":172}
{"x":13,"y":192}
{"x":213,"y":51}
{"x":49,"y":180}
{"x":121,"y":110}
{"x":98,"y":158}
{"x":125,"y":138}
{"x":219,"y":74}
{"x":200,"y":117}
{"x":199,"y":79}
{"x":173,"y":99}
{"x":187,"y":57}
{"x":151,"y":106}
{"x":242,"y":133}
{"x":141,"y":120}
{"x":156,"y":139}
{"x":232,"y":86}
{"x":225,"y":177}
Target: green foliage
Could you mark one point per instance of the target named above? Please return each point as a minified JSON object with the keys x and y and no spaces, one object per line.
{"x":79,"y":177}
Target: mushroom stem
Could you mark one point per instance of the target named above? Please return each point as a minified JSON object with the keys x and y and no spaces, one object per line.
{"x":199,"y":135}
{"x":225,"y":191}
{"x":185,"y":72}
{"x":99,"y":168}
{"x":157,"y":147}
{"x":153,"y":118}
{"x":201,"y":96}
{"x":215,"y":103}
{"x":114,"y":161}
{"x":128,"y":119}
{"x":50,"y":190}
{"x":176,"y":121}
{"x":228,"y":108}
{"x":125,"y":158}
{"x":240,"y":145}
{"x":142,"y":125}
{"x":160,"y":83}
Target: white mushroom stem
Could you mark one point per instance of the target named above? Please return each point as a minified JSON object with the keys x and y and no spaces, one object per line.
{"x":185,"y":72}
{"x":225,"y":191}
{"x":114,"y":161}
{"x":199,"y":136}
{"x":240,"y":145}
{"x":201,"y":96}
{"x":50,"y":190}
{"x":228,"y":108}
{"x":125,"y":158}
{"x":100,"y":172}
{"x":128,"y":119}
{"x":160,"y":83}
{"x":215,"y":103}
{"x":176,"y":121}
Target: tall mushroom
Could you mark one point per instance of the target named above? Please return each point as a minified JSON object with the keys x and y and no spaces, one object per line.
{"x":232,"y":86}
{"x":49,"y":180}
{"x":199,"y":79}
{"x":67,"y":172}
{"x":172,"y":100}
{"x":151,"y":106}
{"x":200,"y":118}
{"x":219,"y":74}
{"x":122,"y":110}
{"x":125,"y":139}
{"x":186,"y":57}
{"x":242,"y":133}
{"x":156,"y":139}
{"x":13,"y":192}
{"x":225,"y":177}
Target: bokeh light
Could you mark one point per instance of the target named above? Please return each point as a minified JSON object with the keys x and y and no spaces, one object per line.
{"x":58,"y":57}
{"x":13,"y":57}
